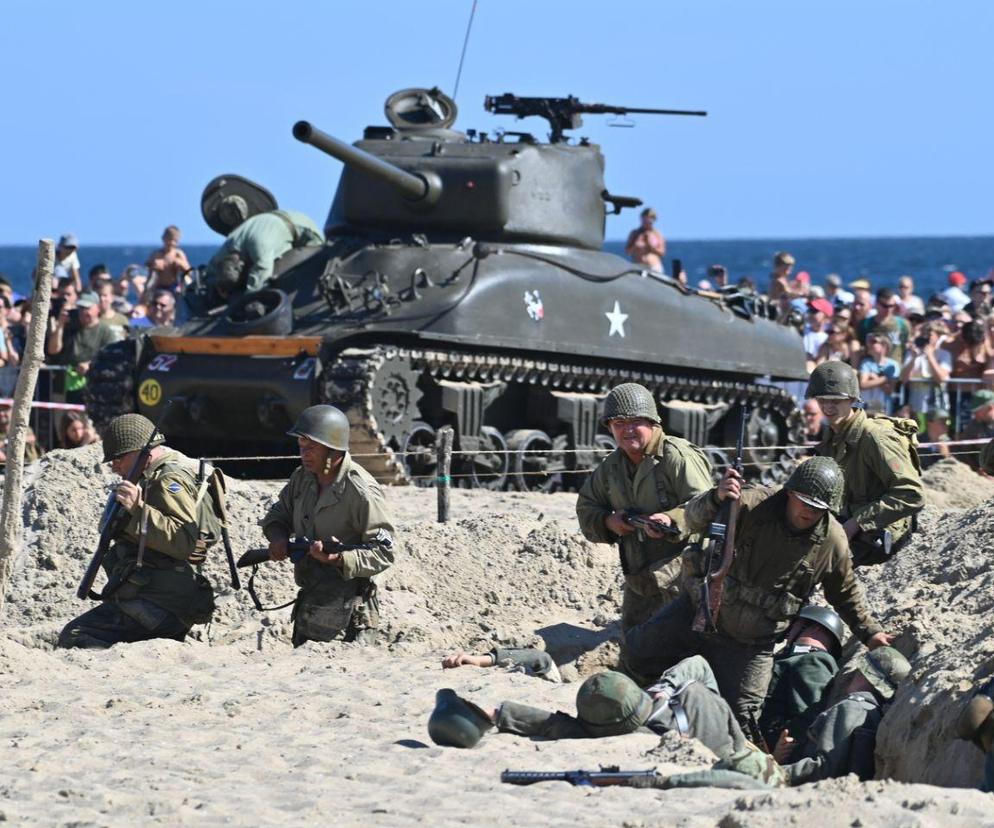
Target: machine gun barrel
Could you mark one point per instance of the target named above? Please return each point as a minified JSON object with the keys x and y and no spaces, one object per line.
{"x":410,"y":185}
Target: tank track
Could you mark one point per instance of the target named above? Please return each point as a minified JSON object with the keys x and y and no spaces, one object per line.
{"x":110,"y":384}
{"x":372,"y":384}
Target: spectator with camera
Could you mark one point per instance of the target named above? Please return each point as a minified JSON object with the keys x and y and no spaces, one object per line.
{"x":926,"y":370}
{"x":75,"y":336}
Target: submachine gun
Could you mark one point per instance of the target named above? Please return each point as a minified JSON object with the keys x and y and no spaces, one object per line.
{"x":564,"y":113}
{"x":719,"y":551}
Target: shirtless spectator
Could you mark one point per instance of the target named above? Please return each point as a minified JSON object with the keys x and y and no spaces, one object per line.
{"x":646,"y":244}
{"x":168,"y":266}
{"x":783,"y":264}
{"x":910,"y":302}
{"x":718,"y":276}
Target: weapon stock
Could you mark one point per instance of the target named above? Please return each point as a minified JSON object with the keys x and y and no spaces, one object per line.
{"x":110,"y":521}
{"x":721,"y":534}
{"x":297,"y":549}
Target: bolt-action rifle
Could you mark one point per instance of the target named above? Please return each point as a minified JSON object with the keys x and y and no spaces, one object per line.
{"x":564,"y":113}
{"x":642,"y":522}
{"x":719,"y":550}
{"x":609,"y":775}
{"x":113,"y":519}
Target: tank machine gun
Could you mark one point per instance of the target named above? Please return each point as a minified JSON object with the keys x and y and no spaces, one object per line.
{"x":565,"y":113}
{"x":464,"y":282}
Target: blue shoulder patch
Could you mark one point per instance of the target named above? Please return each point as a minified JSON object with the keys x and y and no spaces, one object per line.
{"x":174,"y":487}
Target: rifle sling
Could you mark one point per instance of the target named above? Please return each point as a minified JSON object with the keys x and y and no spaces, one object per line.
{"x":255,"y":596}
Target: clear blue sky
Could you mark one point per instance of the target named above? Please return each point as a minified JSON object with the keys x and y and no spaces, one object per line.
{"x":826,"y":119}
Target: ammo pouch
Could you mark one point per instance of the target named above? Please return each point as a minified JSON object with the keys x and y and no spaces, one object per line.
{"x":753,"y":614}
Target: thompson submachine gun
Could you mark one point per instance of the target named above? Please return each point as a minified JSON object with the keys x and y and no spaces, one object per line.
{"x":641,"y":522}
{"x":720,"y":550}
{"x":606,"y":776}
{"x":564,"y":113}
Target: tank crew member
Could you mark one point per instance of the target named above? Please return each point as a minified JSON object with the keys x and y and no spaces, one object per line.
{"x":883,"y":486}
{"x":976,"y":724}
{"x":787,"y":543}
{"x":652,"y":473}
{"x":153,"y":590}
{"x":331,"y":500}
{"x":842,"y":740}
{"x":246,"y":259}
{"x":528,"y":660}
{"x":802,"y":672}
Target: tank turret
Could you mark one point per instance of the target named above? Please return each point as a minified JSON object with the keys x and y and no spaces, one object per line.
{"x":463,"y":283}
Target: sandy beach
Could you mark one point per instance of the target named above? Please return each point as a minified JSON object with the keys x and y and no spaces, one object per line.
{"x":234,"y":727}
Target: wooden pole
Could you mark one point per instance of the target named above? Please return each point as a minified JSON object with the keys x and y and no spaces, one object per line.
{"x":443,"y":483}
{"x":31,"y":362}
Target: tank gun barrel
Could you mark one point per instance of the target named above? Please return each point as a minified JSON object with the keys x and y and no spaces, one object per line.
{"x":564,"y":113}
{"x":410,"y":185}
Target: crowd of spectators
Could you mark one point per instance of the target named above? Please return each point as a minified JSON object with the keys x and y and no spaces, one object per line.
{"x":83,"y":318}
{"x":931,"y":360}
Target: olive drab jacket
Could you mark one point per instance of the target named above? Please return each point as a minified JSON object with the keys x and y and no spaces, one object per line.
{"x":842,"y":740}
{"x":801,"y":675}
{"x":671,"y":473}
{"x":353,"y":510}
{"x":173,"y":535}
{"x":883,"y":486}
{"x":776,"y":569}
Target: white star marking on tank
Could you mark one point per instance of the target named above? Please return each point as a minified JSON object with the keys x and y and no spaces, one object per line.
{"x":617,"y":320}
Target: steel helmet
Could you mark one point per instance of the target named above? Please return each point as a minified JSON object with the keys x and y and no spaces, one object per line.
{"x":610,"y":704}
{"x":129,"y":432}
{"x":885,"y":668}
{"x":456,"y":722}
{"x":323,"y":424}
{"x":833,"y":380}
{"x":630,"y":400}
{"x":827,"y":618}
{"x":818,"y":482}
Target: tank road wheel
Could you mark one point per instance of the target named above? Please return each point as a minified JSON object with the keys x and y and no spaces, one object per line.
{"x":536,"y":468}
{"x":719,"y":461}
{"x":489,"y":471}
{"x":394,"y":395}
{"x":110,"y":385}
{"x":763,"y":432}
{"x":418,"y":454}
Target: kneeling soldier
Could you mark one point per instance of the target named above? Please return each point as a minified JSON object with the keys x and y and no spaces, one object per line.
{"x":152,"y":591}
{"x":335,"y":503}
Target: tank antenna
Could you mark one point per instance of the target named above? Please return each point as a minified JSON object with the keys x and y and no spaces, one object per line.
{"x":465,"y":43}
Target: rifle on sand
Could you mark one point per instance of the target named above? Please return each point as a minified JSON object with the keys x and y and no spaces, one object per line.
{"x":720,"y":549}
{"x":606,"y":776}
{"x":113,"y":519}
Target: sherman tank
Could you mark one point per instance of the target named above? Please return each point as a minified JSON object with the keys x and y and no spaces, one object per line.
{"x":463,"y":283}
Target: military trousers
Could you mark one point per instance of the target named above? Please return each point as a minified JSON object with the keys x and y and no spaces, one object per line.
{"x":112,"y":623}
{"x":742,"y":671}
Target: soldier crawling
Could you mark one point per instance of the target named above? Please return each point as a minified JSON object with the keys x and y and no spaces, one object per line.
{"x":652,"y":473}
{"x":331,"y":500}
{"x":883,"y":486}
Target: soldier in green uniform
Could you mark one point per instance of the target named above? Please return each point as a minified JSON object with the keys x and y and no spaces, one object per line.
{"x":787,"y":543}
{"x":976,"y":724}
{"x":246,"y":259}
{"x":652,"y":473}
{"x":153,"y":590}
{"x":884,"y":490}
{"x":802,"y":671}
{"x":331,"y":500}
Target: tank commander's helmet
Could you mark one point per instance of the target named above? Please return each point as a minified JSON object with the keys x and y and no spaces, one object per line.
{"x":611,"y":704}
{"x":885,"y":668}
{"x":129,"y":432}
{"x":323,"y":424}
{"x":456,"y":722}
{"x":630,"y":400}
{"x":830,"y":620}
{"x":818,"y":482}
{"x":833,"y":380}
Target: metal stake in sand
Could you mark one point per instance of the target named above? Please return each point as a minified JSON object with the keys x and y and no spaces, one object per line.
{"x":34,"y":355}
{"x":443,"y":482}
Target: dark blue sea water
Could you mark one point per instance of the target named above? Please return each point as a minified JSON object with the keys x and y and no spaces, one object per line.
{"x":928,"y":260}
